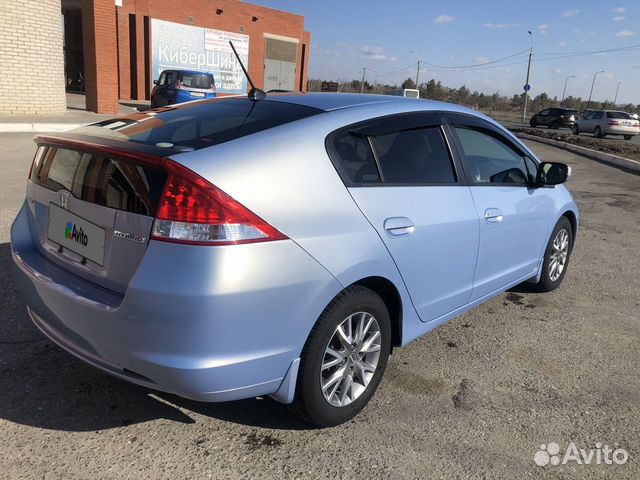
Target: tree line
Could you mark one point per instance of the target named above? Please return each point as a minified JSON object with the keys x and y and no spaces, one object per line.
{"x":434,"y":90}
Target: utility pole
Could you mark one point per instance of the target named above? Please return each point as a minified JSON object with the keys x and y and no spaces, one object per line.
{"x":615,"y":100}
{"x":527,"y":87}
{"x":418,"y":73}
{"x":564,"y":91}
{"x":364,"y":69}
{"x":592,"y":84}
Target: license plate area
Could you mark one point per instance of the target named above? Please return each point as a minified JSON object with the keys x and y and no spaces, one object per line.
{"x":76,"y":234}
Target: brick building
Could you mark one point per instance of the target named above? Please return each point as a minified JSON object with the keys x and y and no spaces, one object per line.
{"x":113,"y":49}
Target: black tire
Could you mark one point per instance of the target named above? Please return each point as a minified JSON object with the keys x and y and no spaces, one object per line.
{"x":546,"y":284}
{"x":555,"y":125}
{"x":309,"y":402}
{"x":533,"y":122}
{"x":628,"y":137}
{"x":597,"y":132}
{"x":575,"y":129}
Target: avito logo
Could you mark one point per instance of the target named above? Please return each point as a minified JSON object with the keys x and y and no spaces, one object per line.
{"x":71,"y":232}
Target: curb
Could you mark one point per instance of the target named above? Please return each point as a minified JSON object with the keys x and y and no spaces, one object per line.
{"x":37,"y":127}
{"x":621,"y":162}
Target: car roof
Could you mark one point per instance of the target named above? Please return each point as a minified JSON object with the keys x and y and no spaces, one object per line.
{"x":337,"y":101}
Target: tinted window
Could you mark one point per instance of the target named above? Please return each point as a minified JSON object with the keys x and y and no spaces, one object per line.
{"x":202,"y":124}
{"x":414,"y":156}
{"x":544,"y":112}
{"x":110,"y":182}
{"x":597,"y":115}
{"x":621,"y":115}
{"x":196,"y":80}
{"x":353,"y":157}
{"x":489,"y":159}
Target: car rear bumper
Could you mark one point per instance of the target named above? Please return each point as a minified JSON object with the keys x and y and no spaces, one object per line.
{"x":205,"y":323}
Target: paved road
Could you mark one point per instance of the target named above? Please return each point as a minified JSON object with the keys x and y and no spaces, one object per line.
{"x":474,"y":399}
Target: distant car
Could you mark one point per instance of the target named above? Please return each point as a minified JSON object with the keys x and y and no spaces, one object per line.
{"x":178,"y":86}
{"x":554,"y":118}
{"x":607,"y":122}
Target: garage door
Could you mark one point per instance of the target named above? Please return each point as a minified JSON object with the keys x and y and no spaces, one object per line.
{"x":280,"y":64}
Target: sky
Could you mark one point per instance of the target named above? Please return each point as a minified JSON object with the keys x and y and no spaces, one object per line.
{"x":388,"y":37}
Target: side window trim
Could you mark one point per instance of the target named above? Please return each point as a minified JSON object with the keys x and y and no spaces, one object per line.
{"x":376,"y":160}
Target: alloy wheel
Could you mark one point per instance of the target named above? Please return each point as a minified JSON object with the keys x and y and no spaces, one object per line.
{"x":350,"y":359}
{"x":559,"y":254}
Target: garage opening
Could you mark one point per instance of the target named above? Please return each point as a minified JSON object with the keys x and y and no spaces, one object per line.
{"x":280,"y":58}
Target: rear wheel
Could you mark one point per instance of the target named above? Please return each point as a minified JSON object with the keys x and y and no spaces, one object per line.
{"x":598,"y":132}
{"x":344,"y":358}
{"x":533,"y":122}
{"x":556,"y":256}
{"x":555,"y":125}
{"x":575,"y":129}
{"x":628,"y":137}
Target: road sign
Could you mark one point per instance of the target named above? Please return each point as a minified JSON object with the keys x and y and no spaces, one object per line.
{"x":527,"y":87}
{"x":330,"y":86}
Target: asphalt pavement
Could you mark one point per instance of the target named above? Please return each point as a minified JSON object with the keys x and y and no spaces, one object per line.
{"x":476,"y":398}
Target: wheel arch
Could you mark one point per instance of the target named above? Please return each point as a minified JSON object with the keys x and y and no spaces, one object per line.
{"x":573,"y":219}
{"x":390,"y":295}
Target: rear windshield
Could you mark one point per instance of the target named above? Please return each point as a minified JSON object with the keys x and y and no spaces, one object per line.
{"x":199,"y":124}
{"x":618,"y":115}
{"x":196,"y":80}
{"x":94,"y":178}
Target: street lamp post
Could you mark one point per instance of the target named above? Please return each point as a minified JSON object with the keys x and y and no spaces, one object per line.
{"x":615,"y":99}
{"x":418,"y":69}
{"x":592,"y":84}
{"x":564,"y":91}
{"x":526,"y":85}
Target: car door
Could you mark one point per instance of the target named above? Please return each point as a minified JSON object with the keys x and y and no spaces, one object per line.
{"x":514,"y":216}
{"x":400,"y":172}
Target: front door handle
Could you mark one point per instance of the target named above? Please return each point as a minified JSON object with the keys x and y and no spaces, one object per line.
{"x":493,"y":215}
{"x":399,"y":226}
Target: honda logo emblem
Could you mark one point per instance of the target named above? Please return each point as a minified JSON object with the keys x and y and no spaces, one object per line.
{"x":64,"y":200}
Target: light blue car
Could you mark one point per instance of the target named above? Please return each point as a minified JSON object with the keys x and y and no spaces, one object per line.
{"x":233,"y":248}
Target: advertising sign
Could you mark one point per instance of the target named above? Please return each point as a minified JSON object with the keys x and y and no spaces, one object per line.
{"x":177,"y":46}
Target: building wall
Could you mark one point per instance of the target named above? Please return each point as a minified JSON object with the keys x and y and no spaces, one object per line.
{"x":236,"y":17}
{"x":31,"y":58}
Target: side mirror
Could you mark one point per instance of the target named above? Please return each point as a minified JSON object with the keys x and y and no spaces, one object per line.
{"x":155,"y":82}
{"x":552,"y":173}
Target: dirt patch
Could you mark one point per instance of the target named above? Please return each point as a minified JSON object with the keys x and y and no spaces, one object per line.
{"x":614,"y":146}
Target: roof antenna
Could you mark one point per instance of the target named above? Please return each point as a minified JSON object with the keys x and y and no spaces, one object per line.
{"x":255,"y":93}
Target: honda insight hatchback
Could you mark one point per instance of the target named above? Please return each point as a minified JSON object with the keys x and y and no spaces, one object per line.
{"x":234,"y":248}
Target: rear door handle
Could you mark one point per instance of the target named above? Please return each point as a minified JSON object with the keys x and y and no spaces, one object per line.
{"x":399,"y":226}
{"x":493,"y":215}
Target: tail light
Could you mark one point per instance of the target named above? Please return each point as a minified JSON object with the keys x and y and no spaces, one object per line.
{"x":613,"y":122}
{"x":192,"y":210}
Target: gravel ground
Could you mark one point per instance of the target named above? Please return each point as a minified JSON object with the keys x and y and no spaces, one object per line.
{"x":474,"y":399}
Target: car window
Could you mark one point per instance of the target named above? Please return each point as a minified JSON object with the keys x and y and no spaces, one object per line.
{"x":163,"y":78}
{"x":414,"y":157}
{"x":197,"y":80}
{"x":352,"y":154}
{"x":544,"y":113}
{"x":621,"y":115}
{"x":489,"y":159}
{"x":170,"y":78}
{"x":204,"y":124}
{"x":597,"y":115}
